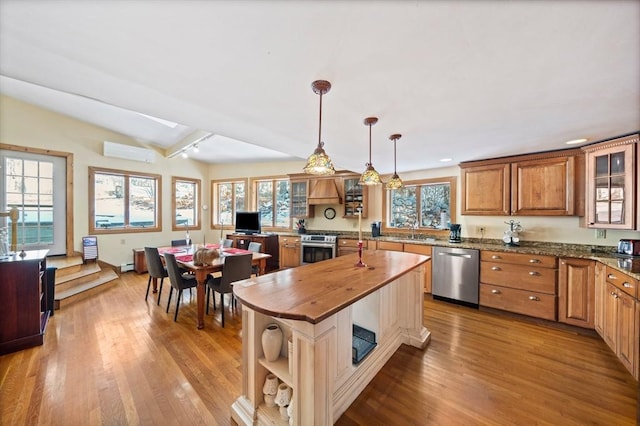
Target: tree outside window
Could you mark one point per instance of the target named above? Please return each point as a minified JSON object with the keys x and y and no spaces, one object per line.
{"x":122,"y":201}
{"x":425,"y":204}
{"x":228,"y":198}
{"x":272,"y":201}
{"x":186,"y":203}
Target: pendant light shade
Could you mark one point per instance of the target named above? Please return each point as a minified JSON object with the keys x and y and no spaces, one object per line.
{"x":370,"y":175}
{"x":319,"y":162}
{"x":395,"y":182}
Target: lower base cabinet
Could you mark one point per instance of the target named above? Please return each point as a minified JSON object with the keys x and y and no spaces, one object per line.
{"x":289,"y":252}
{"x":576,"y":293}
{"x":619,"y":322}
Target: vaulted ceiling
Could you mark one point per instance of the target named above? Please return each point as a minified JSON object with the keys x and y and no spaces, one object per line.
{"x":464,"y":80}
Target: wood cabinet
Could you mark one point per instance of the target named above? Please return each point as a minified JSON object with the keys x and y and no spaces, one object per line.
{"x":611,"y":184}
{"x":486,"y":189}
{"x":269,"y":245}
{"x":350,"y":245}
{"x":23,"y":301}
{"x":139,"y":261}
{"x":621,"y":316}
{"x":576,"y":292}
{"x":355,"y":196}
{"x":544,"y":184}
{"x":427,"y":251}
{"x":520,"y":283}
{"x":389,"y":245}
{"x":300,"y":208}
{"x":600,"y":289}
{"x":289,"y":252}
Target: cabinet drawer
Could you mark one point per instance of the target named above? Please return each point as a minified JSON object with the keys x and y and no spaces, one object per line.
{"x":351,"y":243}
{"x":541,"y":261}
{"x":519,"y":277}
{"x":623,"y":281}
{"x":530,"y":303}
{"x":389,"y":245}
{"x":418,"y":249}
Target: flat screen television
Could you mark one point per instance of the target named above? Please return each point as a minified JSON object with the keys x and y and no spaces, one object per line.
{"x":248,"y":222}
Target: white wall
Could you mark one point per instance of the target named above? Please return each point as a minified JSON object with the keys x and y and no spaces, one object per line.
{"x":27,"y":125}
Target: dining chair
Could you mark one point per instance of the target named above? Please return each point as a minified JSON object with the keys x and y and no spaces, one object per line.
{"x":179,"y":281}
{"x":227,"y":243}
{"x":156,"y":269}
{"x":255,"y":247}
{"x":235,"y":268}
{"x":178,"y":243}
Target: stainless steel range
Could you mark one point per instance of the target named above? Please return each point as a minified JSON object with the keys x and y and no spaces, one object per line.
{"x":315,"y":248}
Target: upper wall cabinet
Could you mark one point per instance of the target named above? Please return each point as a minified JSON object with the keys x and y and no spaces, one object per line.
{"x":300,"y":207}
{"x":544,"y":184}
{"x":355,"y":197}
{"x":611,"y":184}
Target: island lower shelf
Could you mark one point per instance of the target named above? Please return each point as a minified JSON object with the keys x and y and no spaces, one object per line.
{"x":323,"y":378}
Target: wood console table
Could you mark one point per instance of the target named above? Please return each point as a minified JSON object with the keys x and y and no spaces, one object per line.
{"x":317,"y":305}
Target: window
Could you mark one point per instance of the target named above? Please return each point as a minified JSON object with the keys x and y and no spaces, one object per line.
{"x":186,"y":203}
{"x":421,"y":205}
{"x":272,"y":200}
{"x":29,"y":187}
{"x":121,"y":201}
{"x":228,"y":197}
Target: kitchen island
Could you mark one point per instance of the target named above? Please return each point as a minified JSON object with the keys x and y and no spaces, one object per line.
{"x":316,"y":306}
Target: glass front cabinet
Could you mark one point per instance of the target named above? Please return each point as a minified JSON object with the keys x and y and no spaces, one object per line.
{"x":355,"y":197}
{"x":300,"y":208}
{"x":611,"y":185}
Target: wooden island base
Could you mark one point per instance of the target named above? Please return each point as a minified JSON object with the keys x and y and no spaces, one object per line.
{"x":317,"y":305}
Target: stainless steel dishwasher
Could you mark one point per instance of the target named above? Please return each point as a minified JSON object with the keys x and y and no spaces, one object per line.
{"x":455,"y":275}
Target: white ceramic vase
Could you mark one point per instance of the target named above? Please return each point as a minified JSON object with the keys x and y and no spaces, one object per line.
{"x":272,"y":342}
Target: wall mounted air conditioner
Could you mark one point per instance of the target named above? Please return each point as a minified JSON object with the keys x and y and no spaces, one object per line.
{"x":128,"y":152}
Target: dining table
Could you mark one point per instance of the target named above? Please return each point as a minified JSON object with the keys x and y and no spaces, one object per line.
{"x":184,"y":258}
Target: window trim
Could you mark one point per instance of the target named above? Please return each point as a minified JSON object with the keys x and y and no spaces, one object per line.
{"x":254,"y":200}
{"x":126,"y":174}
{"x":198,"y":203}
{"x":451,"y":180}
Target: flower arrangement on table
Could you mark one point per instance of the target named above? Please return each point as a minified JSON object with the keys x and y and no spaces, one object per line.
{"x":300,"y":226}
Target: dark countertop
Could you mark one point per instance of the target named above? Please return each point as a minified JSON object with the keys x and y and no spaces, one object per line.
{"x":603,"y":254}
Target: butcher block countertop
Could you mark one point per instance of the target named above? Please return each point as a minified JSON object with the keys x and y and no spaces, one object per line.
{"x":315,"y":291}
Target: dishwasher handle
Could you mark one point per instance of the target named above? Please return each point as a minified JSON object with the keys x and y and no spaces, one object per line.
{"x":468,"y":256}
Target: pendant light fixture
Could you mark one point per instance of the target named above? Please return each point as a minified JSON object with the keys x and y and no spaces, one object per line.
{"x":370,"y":175}
{"x":319,"y":162}
{"x":395,"y":182}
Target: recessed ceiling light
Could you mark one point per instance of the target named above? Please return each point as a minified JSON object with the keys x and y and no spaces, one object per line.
{"x":576,"y":141}
{"x":444,"y":160}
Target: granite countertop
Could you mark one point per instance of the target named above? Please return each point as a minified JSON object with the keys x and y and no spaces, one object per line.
{"x":603,"y":254}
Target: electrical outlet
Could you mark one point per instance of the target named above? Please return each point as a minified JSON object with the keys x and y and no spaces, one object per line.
{"x":601,"y":234}
{"x":480,"y":230}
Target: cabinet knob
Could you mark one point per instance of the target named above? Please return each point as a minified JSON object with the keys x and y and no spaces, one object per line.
{"x":496,"y":268}
{"x":495,"y":291}
{"x":627,"y":285}
{"x":534,"y":298}
{"x":495,"y":256}
{"x":534,"y":273}
{"x":611,"y":277}
{"x":534,"y":261}
{"x":613,"y":293}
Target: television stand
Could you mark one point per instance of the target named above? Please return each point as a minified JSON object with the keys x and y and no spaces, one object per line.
{"x":269,"y":245}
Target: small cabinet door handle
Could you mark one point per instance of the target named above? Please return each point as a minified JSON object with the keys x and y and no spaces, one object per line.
{"x":495,"y":256}
{"x":534,"y":261}
{"x":627,"y":285}
{"x":534,"y":298}
{"x":495,"y":291}
{"x":496,"y":268}
{"x":613,"y":293}
{"x":611,"y":277}
{"x":534,"y":273}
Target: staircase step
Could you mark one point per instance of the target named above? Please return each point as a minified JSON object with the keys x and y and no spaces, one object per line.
{"x":104,"y":280}
{"x":65,"y":265}
{"x":86,"y":273}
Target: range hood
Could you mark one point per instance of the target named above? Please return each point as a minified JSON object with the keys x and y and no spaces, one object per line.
{"x":323,"y":191}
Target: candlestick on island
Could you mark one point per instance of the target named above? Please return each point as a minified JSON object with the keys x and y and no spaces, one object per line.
{"x":359,"y":226}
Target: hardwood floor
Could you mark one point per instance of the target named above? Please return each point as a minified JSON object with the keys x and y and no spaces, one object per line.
{"x":115,"y":359}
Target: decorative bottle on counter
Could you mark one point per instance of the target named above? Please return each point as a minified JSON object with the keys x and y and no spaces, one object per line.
{"x":272,"y":342}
